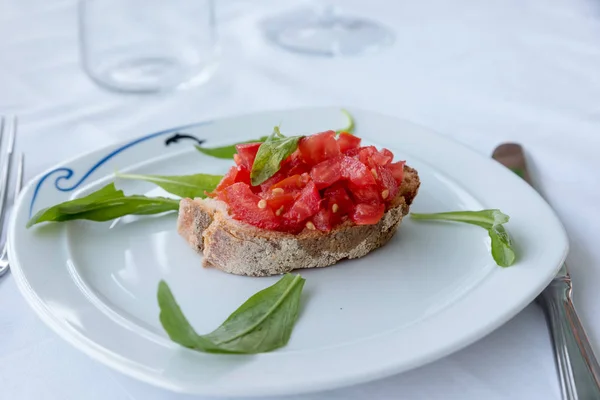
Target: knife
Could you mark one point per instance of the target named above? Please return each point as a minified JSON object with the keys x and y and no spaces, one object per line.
{"x":578,"y":369}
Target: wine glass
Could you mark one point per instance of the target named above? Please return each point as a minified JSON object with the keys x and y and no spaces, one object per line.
{"x":148,"y":46}
{"x":320,"y":29}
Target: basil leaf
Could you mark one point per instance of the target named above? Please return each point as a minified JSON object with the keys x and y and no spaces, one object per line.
{"x":270,"y":155}
{"x":350,"y":127}
{"x":103,"y":205}
{"x":502,"y":250}
{"x":228,"y":151}
{"x":263,"y":323}
{"x":191,"y":186}
{"x":491,"y":220}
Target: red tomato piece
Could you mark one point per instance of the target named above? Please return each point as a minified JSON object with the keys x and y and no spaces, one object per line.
{"x":242,"y":175}
{"x":306,"y":205}
{"x":244,"y":206}
{"x":322,"y":220}
{"x":326,"y":173}
{"x":348,"y":141}
{"x":387,"y":153}
{"x":279,"y":176}
{"x":397,"y":170}
{"x":290,"y":226}
{"x":316,"y":148}
{"x":365,"y":155}
{"x":356,"y":172}
{"x":337,"y":195}
{"x":276,"y":200}
{"x":227,"y":180}
{"x":247,"y":153}
{"x":386,"y":181}
{"x":383,"y":157}
{"x":370,"y":194}
{"x":295,"y":165}
{"x":367,"y":214}
{"x":294,"y":182}
{"x":353,"y":152}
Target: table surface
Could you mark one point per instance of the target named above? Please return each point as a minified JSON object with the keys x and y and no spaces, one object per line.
{"x":480,"y":72}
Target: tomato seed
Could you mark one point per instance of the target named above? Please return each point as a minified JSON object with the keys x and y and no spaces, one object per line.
{"x":385,"y":194}
{"x":310,"y":226}
{"x":335,"y":208}
{"x":262,"y":203}
{"x":278,"y":190}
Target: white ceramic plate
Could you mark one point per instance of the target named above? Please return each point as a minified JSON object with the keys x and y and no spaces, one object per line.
{"x":429,"y":292}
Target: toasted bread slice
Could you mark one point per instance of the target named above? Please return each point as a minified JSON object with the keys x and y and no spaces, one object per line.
{"x":242,"y":249}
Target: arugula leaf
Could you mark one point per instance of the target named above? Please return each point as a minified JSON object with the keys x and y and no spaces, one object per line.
{"x":263,"y":323}
{"x":103,"y":205}
{"x":270,"y":155}
{"x":191,"y":186}
{"x":484,"y":218}
{"x":502,"y":250}
{"x":491,"y":220}
{"x":350,"y":127}
{"x":228,"y":151}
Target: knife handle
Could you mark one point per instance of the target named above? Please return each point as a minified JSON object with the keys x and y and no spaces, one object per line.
{"x":578,"y":369}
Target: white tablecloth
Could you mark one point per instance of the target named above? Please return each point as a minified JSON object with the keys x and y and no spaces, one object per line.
{"x":482,"y":72}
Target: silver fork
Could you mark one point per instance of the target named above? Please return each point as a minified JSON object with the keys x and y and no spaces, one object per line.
{"x":5,"y":173}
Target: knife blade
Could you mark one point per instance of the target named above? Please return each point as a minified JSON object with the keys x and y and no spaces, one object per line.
{"x":577,"y":366}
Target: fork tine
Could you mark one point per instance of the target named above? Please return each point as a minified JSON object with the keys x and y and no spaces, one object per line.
{"x":1,"y":129}
{"x":6,"y":167}
{"x":20,"y":172}
{"x":13,"y":135}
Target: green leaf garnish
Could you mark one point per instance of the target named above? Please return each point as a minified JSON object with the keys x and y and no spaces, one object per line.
{"x":263,"y":323}
{"x":103,"y":205}
{"x":491,"y":220}
{"x":191,"y":186}
{"x":228,"y":151}
{"x":270,"y":155}
{"x":350,"y":127}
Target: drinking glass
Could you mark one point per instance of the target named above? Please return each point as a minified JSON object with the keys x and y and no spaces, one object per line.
{"x":148,"y":45}
{"x":320,"y":29}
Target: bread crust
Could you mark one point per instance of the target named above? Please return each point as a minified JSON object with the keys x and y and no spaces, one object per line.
{"x":242,"y":249}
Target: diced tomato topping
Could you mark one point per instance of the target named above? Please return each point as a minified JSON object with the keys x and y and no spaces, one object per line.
{"x":242,"y":175}
{"x":367,"y":214}
{"x":247,"y":153}
{"x":356,"y":172}
{"x":322,"y":184}
{"x":279,"y":200}
{"x":386,"y":181}
{"x":365,"y":154}
{"x":336,"y":195}
{"x":387,"y":153}
{"x":316,"y":148}
{"x":382,"y":158}
{"x":322,"y":220}
{"x":244,"y":205}
{"x":370,"y":194}
{"x":353,"y":152}
{"x":294,"y":182}
{"x":397,"y":170}
{"x":295,"y":165}
{"x":306,"y":205}
{"x":347,"y":141}
{"x":326,"y":173}
{"x":227,"y":180}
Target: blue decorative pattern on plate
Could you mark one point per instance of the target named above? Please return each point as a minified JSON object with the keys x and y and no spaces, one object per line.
{"x":68,"y":172}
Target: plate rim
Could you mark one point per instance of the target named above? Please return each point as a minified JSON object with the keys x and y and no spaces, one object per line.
{"x":113,"y":360}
